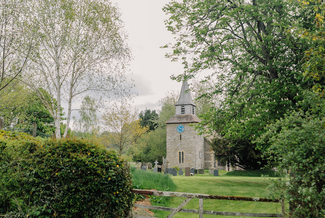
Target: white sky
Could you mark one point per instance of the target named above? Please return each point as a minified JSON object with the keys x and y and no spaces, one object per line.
{"x":151,"y":71}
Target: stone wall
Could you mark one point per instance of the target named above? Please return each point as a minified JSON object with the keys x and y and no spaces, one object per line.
{"x":208,"y":155}
{"x":188,"y":142}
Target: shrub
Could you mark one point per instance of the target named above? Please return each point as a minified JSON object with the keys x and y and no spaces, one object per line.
{"x":70,"y":178}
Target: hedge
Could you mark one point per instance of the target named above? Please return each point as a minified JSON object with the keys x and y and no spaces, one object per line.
{"x":68,"y":177}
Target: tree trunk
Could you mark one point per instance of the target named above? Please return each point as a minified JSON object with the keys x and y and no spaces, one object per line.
{"x":58,"y":113}
{"x":69,"y":114}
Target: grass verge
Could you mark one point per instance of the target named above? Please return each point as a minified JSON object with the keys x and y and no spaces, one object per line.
{"x":221,"y":185}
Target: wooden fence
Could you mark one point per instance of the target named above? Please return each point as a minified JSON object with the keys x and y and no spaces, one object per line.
{"x":200,"y":211}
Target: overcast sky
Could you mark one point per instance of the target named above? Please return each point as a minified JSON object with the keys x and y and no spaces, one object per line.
{"x":151,"y":71}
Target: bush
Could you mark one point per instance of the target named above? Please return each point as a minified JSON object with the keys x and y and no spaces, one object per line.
{"x":70,"y":178}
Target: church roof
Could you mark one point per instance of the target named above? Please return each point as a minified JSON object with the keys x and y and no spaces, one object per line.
{"x":184,"y":118}
{"x":185,"y":96}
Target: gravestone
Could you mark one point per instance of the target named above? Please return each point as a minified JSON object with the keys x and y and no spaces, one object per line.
{"x":139,"y":165}
{"x":211,"y":171}
{"x":172,"y":171}
{"x":149,"y":166}
{"x":195,"y":171}
{"x":159,"y":169}
{"x":163,"y":167}
{"x":201,"y":171}
{"x":180,"y":172}
{"x":155,"y":170}
{"x":216,"y":173}
{"x":192,"y":171}
{"x":156,"y":162}
{"x":187,"y":171}
{"x":143,"y":168}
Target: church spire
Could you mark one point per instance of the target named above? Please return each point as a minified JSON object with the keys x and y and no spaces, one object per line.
{"x":185,"y":97}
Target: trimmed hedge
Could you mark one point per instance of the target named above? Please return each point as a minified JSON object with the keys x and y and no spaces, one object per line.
{"x":70,"y":178}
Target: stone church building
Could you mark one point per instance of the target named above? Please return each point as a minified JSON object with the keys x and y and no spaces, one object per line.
{"x":185,"y":148}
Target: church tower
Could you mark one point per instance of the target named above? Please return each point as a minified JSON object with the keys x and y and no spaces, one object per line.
{"x":185,"y":148}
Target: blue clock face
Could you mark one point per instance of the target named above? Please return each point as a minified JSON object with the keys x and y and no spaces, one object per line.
{"x":180,"y":128}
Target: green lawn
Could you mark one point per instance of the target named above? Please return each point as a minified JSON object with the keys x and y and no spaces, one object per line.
{"x":222,"y":185}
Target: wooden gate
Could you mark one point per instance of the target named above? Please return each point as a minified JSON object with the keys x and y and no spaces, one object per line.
{"x":200,"y":211}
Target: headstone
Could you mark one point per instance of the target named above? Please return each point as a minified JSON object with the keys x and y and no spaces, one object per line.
{"x":156,"y":162}
{"x":155,"y":170}
{"x":163,"y":167}
{"x":159,"y":169}
{"x":149,"y":166}
{"x":216,"y":173}
{"x":139,"y":165}
{"x":180,"y":172}
{"x":187,"y":171}
{"x":192,"y":171}
{"x":172,"y":171}
{"x":143,"y":168}
{"x":211,"y":171}
{"x":201,"y":171}
{"x":195,"y":171}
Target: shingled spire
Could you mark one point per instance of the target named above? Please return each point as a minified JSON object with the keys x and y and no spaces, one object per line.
{"x":185,"y":97}
{"x":185,"y":108}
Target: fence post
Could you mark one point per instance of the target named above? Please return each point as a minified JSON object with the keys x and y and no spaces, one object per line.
{"x":283,"y":208}
{"x":201,"y":208}
{"x":34,"y":129}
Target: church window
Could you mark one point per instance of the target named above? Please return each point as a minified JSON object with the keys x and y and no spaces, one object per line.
{"x":181,"y":156}
{"x":182,"y":109}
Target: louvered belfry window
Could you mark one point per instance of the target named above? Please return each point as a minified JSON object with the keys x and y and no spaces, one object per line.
{"x":182,"y":109}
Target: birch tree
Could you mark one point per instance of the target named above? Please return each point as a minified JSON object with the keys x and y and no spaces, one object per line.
{"x":16,"y":40}
{"x":82,"y":50}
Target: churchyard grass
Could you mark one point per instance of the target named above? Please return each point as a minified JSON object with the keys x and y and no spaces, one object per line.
{"x":150,"y":180}
{"x":221,"y":185}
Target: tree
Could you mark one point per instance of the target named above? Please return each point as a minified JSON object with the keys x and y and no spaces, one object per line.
{"x":148,"y":119}
{"x":123,"y":126}
{"x":297,"y":145}
{"x":150,"y":147}
{"x":16,"y":40}
{"x":256,"y":58}
{"x":88,"y":118}
{"x":22,"y":107}
{"x":81,"y":49}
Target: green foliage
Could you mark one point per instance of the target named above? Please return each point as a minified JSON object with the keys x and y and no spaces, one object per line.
{"x":176,"y":168}
{"x":150,"y":180}
{"x":71,"y":178}
{"x":148,"y":119}
{"x":297,"y":146}
{"x":256,"y":55}
{"x":239,"y":152}
{"x":150,"y":147}
{"x":253,"y":173}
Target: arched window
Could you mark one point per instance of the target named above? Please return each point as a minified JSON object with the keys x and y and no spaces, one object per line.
{"x":181,"y":156}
